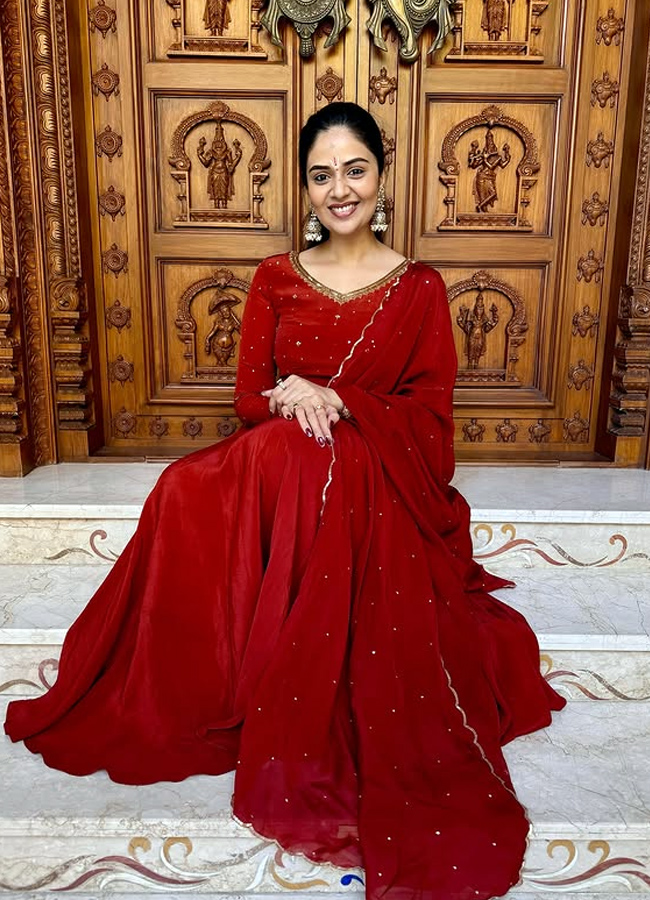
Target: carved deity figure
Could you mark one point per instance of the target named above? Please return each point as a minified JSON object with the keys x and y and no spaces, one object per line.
{"x":473,"y":432}
{"x":476,"y":325}
{"x":221,"y":162}
{"x":216,"y":16}
{"x":487,"y":161}
{"x":494,"y":18}
{"x":221,"y":339}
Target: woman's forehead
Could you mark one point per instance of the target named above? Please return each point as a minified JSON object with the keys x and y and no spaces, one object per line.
{"x":336,"y":146}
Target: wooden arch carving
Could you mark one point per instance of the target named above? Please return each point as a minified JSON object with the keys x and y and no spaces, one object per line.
{"x":181,"y":164}
{"x":527,"y":170}
{"x":515,"y":329}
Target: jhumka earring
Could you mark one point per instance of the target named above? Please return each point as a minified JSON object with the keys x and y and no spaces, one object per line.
{"x":378,"y":222}
{"x":313,"y":231}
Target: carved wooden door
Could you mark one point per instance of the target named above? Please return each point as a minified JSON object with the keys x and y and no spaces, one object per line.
{"x":504,"y":152}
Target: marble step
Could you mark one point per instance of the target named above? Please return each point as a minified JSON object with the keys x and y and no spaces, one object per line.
{"x":586,"y":792}
{"x":523,"y":517}
{"x":593,"y":626}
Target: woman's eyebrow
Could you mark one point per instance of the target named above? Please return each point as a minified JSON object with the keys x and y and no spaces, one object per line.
{"x":348,"y":163}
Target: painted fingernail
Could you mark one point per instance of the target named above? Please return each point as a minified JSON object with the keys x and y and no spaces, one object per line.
{"x":321,"y":441}
{"x":309,"y":432}
{"x":329,"y":441}
{"x":288,"y":416}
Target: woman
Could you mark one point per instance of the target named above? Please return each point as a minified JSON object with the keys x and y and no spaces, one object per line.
{"x":300,"y":602}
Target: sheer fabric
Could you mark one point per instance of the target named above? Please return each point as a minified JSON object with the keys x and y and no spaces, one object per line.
{"x":312,"y":617}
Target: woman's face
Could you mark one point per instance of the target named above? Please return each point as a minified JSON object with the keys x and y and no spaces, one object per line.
{"x":342,"y":181}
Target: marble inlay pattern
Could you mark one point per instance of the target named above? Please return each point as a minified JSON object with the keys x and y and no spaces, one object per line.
{"x":64,"y":541}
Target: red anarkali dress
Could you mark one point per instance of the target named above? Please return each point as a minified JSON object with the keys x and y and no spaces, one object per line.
{"x":312,"y":617}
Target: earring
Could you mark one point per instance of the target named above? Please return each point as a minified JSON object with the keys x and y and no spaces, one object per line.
{"x":378,"y":222}
{"x":313,"y":231}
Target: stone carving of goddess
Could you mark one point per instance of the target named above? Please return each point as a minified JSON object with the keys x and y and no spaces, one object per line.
{"x":494,"y":18}
{"x":221,"y":162}
{"x":476,"y":325}
{"x":487,"y":161}
{"x":216,"y":16}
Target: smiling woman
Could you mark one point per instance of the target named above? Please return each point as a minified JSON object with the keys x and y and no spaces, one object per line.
{"x":334,"y":643}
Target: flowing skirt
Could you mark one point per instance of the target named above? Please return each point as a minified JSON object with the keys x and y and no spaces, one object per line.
{"x":279,"y":612}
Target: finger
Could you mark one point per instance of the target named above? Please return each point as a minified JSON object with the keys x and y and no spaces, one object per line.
{"x":321,"y":415}
{"x":315,"y":425}
{"x":301,"y":416}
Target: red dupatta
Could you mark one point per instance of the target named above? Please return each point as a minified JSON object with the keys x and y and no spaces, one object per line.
{"x":374,"y":735}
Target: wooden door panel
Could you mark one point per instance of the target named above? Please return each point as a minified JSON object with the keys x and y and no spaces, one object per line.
{"x":502,"y":163}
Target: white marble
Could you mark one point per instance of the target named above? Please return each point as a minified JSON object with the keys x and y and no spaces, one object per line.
{"x":90,"y":542}
{"x":579,"y":781}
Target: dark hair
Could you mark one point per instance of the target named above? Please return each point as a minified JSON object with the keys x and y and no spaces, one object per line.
{"x":348,"y":115}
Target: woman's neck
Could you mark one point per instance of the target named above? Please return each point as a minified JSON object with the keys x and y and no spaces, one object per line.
{"x":350,"y":250}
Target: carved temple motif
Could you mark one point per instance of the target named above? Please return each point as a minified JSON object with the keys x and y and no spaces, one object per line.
{"x":306,"y":16}
{"x":226,"y":292}
{"x":409,"y":17}
{"x":220,"y":157}
{"x":506,"y":31}
{"x":218,"y":32}
{"x":485,"y":159}
{"x":476,"y":323}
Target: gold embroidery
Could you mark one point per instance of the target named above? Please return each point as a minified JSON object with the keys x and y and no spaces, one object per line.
{"x":337,"y":296}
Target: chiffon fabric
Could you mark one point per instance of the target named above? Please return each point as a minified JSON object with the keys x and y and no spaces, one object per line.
{"x":312,"y":617}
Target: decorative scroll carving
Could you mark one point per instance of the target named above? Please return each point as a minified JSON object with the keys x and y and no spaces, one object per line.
{"x":115,"y":260}
{"x":486,"y":161}
{"x":124,"y":423}
{"x":539,"y":432}
{"x":32,"y":287}
{"x":504,"y":41}
{"x":106,"y":82}
{"x":223,"y":159}
{"x":594,"y":211}
{"x":329,"y":85}
{"x":383,"y":87}
{"x":476,"y":325}
{"x":70,"y":348}
{"x":604,"y":90}
{"x":192,"y":427}
{"x":220,"y":341}
{"x":118,"y":316}
{"x":112,"y":203}
{"x":120,"y":370}
{"x":580,"y":375}
{"x":473,"y":432}
{"x":506,"y":432}
{"x":584,"y":322}
{"x":576,"y":429}
{"x":306,"y":16}
{"x":158,"y":427}
{"x":409,"y":18}
{"x":590,"y":267}
{"x":599,"y":151}
{"x":609,"y":28}
{"x":217,"y":22}
{"x":108,"y":143}
{"x":102,"y":18}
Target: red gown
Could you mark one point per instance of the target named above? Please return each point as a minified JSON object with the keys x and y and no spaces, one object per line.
{"x":312,"y":617}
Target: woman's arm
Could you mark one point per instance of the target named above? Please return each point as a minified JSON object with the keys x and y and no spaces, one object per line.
{"x":256,"y":369}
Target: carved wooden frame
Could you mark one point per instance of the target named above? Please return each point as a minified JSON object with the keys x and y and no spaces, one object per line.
{"x":515,"y":329}
{"x":186,"y":325}
{"x":527,"y":171}
{"x":525,"y":51}
{"x":257,"y":167}
{"x":52,"y":299}
{"x":192,"y":45}
{"x":630,"y":394}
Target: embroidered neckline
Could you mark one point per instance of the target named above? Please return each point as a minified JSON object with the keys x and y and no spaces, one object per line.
{"x":337,"y":296}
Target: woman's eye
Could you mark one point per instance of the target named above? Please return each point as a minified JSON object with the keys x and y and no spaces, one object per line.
{"x":356,"y":172}
{"x":320,"y":178}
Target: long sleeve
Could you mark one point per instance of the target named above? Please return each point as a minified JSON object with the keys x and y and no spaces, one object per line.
{"x":256,"y":370}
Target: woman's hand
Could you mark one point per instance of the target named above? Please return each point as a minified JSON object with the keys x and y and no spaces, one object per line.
{"x":315,"y":407}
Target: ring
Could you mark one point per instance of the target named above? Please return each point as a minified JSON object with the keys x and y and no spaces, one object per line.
{"x":281,"y":383}
{"x":320,"y":406}
{"x":294,"y":406}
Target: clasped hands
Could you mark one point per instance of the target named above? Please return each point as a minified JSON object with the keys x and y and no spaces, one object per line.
{"x":315,"y":407}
